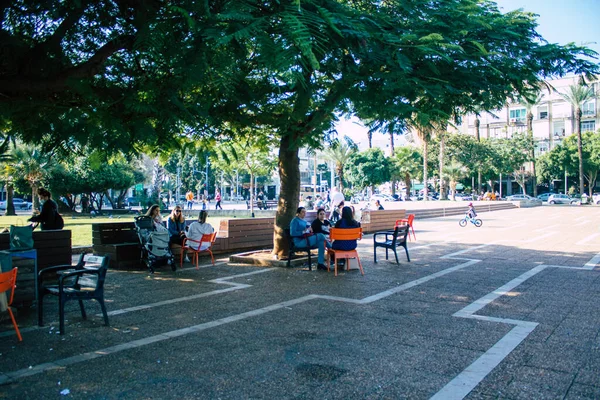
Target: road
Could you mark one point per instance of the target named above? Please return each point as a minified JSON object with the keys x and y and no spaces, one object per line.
{"x":508,"y":310}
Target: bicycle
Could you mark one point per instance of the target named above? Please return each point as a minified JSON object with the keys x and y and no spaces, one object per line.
{"x":475,"y":221}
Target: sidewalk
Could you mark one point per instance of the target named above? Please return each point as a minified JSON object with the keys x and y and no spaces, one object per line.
{"x":508,"y":310}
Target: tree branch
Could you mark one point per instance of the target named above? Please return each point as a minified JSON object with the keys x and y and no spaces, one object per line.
{"x":25,"y":86}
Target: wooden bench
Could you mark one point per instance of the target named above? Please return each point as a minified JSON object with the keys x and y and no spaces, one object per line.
{"x":380,"y":220}
{"x":242,"y":234}
{"x":263,"y":204}
{"x":120,"y":241}
{"x":53,"y":248}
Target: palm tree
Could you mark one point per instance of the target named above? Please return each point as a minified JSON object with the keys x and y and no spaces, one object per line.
{"x":406,"y":164}
{"x":577,"y":95}
{"x":33,"y":165}
{"x":339,"y":153}
{"x":425,"y":134}
{"x":455,"y":171}
{"x":529,"y":104}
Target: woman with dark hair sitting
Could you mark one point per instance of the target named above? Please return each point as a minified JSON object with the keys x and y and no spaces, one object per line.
{"x":48,"y":216}
{"x":302,"y":235}
{"x":346,"y":222}
{"x":320,"y":224}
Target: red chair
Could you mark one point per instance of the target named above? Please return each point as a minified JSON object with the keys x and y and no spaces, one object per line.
{"x":407,"y":221}
{"x":8,"y":283}
{"x":194,"y":246}
{"x":344,"y":234}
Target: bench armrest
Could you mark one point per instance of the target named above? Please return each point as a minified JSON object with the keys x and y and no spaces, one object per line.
{"x":58,"y":268}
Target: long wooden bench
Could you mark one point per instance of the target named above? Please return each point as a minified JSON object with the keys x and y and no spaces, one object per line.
{"x":263,"y":204}
{"x":120,"y":241}
{"x":243,"y":234}
{"x":53,"y":248}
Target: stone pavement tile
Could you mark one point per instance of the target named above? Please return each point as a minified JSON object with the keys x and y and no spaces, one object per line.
{"x":579,"y":391}
{"x":538,"y":383}
{"x":590,"y":373}
{"x":568,"y":358}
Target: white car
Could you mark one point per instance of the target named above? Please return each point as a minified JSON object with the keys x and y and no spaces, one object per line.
{"x":520,"y":197}
{"x":382,"y":197}
{"x":19,"y":204}
{"x":561,"y":199}
{"x":596,"y":198}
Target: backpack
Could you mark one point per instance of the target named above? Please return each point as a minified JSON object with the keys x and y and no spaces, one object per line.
{"x":59,"y":222}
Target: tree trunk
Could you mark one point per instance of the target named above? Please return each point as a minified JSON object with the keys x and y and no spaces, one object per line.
{"x":252,"y":196}
{"x":443,"y":195}
{"x":532,"y":155}
{"x":340,"y":172}
{"x":370,"y":137}
{"x":425,"y":188}
{"x":10,"y":207}
{"x":289,"y":174}
{"x":579,"y":149}
{"x":35,"y":200}
{"x":407,"y":184}
{"x":477,"y":126}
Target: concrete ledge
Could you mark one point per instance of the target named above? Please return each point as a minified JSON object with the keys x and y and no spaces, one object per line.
{"x":264,"y":258}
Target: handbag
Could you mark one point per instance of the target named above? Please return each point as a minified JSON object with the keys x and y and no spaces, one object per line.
{"x":21,"y":237}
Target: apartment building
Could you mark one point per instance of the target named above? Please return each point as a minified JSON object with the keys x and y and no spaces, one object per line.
{"x":553,"y":118}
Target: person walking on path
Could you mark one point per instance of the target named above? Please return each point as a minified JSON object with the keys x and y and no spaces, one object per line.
{"x":189,"y":196}
{"x":218,"y":200}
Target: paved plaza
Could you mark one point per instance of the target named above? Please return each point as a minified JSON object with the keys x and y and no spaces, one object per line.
{"x":509,"y":310}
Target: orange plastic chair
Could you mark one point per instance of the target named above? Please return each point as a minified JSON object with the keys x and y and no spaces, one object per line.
{"x":344,"y":234}
{"x":8,"y":282}
{"x":193,"y":246}
{"x":407,"y":221}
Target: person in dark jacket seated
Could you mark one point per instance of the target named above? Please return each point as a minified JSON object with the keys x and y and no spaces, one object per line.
{"x":321,"y":225}
{"x":346,"y":222}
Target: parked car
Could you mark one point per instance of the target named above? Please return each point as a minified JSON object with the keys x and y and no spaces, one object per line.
{"x":561,"y":199}
{"x":19,"y":204}
{"x":544,"y":196}
{"x":519,"y":197}
{"x":596,"y":198}
{"x":381,"y":197}
{"x":463,"y":197}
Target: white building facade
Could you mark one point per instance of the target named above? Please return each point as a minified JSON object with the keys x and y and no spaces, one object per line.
{"x":553,"y":118}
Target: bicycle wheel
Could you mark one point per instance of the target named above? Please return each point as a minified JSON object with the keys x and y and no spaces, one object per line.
{"x":478,"y":223}
{"x":462,"y":222}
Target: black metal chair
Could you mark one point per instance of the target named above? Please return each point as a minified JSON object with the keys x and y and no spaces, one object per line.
{"x":392,"y":240}
{"x":292,"y":249}
{"x":83,"y":281}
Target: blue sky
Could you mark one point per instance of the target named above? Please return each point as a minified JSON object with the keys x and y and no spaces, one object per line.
{"x":560,"y":21}
{"x":563,"y":21}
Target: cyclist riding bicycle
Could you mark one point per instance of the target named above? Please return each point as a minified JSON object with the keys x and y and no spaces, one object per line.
{"x":471,"y":211}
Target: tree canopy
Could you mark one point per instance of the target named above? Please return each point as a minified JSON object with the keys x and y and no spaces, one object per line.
{"x":122,"y":74}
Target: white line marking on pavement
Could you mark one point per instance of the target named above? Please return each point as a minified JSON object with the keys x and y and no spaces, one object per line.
{"x":470,"y":377}
{"x":457,"y":388}
{"x":583,"y":223}
{"x":222,"y":281}
{"x":589,"y":239}
{"x":545,"y":228}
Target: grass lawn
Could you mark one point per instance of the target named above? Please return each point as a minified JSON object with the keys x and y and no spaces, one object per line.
{"x":81,"y":227}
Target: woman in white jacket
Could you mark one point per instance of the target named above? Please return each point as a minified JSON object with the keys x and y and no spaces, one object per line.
{"x":199,"y":228}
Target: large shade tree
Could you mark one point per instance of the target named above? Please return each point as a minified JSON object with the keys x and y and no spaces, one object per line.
{"x":146,"y":72}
